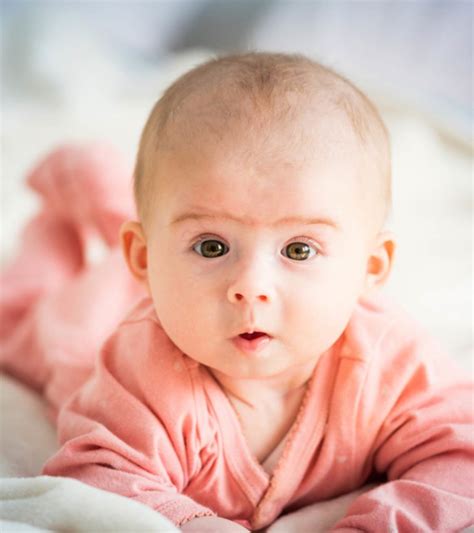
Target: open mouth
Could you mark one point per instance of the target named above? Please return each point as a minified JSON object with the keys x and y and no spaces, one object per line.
{"x":253,"y":335}
{"x":252,"y":342}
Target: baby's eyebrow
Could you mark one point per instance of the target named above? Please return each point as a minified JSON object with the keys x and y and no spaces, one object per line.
{"x":287,"y":221}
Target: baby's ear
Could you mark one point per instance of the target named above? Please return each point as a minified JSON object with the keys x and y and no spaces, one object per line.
{"x":380,"y":261}
{"x":134,"y":249}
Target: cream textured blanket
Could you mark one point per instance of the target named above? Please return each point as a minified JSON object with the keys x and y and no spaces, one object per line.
{"x":60,"y":504}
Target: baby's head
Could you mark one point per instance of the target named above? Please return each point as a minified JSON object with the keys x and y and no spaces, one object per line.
{"x":262,"y":185}
{"x":271,"y":106}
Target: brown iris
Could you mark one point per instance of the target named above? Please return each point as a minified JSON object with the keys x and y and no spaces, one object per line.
{"x":299,"y":251}
{"x":213,"y":248}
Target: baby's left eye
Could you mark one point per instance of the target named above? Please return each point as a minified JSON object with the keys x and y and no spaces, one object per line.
{"x":211,"y":248}
{"x":299,"y":251}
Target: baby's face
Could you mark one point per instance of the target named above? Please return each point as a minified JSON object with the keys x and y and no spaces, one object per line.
{"x":240,"y":243}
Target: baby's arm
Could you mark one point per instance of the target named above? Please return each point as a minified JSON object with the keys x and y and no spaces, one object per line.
{"x":426,"y":448}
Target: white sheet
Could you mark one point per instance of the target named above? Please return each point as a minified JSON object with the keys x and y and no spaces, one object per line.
{"x":61,"y":504}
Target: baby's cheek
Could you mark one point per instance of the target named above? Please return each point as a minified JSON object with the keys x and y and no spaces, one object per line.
{"x":325,"y":304}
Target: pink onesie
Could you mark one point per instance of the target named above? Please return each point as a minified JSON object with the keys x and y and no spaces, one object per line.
{"x":146,"y":421}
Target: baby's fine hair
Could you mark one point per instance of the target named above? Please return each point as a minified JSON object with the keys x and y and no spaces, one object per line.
{"x":225,"y":87}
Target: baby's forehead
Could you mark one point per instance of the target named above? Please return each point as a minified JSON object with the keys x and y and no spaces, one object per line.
{"x":292,"y":160}
{"x":288,"y":134}
{"x":233,"y":194}
{"x":231,"y":171}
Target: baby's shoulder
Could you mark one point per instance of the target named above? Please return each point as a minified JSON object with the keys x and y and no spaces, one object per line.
{"x":384,"y":335}
{"x":381,"y":317}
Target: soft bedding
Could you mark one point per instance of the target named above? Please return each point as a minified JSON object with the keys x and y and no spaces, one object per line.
{"x":60,"y":504}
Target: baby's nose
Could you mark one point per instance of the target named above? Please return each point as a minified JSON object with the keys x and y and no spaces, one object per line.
{"x":252,"y":285}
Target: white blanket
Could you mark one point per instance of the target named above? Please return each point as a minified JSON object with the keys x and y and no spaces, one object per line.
{"x":61,"y":504}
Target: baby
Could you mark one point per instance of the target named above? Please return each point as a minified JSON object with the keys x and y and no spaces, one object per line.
{"x":259,"y":371}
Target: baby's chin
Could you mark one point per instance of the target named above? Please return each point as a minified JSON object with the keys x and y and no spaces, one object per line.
{"x":238,"y":375}
{"x":261,"y":368}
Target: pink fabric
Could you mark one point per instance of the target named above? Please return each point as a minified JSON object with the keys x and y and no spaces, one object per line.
{"x":149,"y":423}
{"x":50,"y":332}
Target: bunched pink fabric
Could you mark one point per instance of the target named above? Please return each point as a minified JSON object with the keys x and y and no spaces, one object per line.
{"x":140,"y":418}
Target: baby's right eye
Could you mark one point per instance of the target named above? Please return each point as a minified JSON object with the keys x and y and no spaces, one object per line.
{"x":211,"y":248}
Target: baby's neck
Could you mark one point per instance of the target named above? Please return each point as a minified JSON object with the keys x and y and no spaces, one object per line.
{"x":266,"y":408}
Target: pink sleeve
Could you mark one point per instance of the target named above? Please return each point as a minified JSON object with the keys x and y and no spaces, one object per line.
{"x":426,"y":450}
{"x":122,"y":432}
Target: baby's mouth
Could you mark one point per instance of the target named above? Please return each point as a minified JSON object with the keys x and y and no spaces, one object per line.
{"x":253,"y":335}
{"x":252,"y":342}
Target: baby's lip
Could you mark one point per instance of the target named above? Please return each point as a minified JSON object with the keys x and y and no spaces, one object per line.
{"x":253,"y":334}
{"x":252,"y":342}
{"x":246,"y":329}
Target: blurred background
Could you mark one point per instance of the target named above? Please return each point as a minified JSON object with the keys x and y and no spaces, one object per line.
{"x":91,"y":70}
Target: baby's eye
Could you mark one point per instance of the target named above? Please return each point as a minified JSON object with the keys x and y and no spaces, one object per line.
{"x":211,"y":248}
{"x":299,"y":251}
